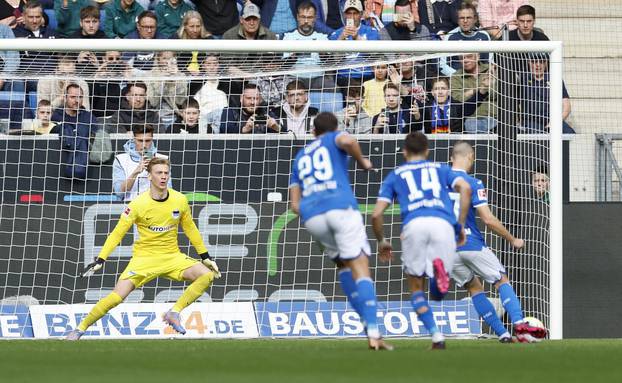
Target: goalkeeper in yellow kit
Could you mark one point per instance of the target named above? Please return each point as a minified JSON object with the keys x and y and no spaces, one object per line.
{"x":157,"y":213}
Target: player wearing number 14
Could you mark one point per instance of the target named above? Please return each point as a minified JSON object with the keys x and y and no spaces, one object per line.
{"x":321,"y":194}
{"x":429,"y":226}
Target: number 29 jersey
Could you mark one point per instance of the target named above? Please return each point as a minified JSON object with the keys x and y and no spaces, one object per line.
{"x":321,"y":171}
{"x":422,"y":190}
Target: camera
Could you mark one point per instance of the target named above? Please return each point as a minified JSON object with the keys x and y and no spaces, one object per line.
{"x":261,"y":115}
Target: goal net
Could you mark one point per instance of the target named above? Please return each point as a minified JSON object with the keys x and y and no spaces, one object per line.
{"x":68,"y":117}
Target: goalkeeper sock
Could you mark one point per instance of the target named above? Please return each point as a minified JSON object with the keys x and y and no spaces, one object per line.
{"x":104,"y":305}
{"x":349,"y":288}
{"x":510,"y":303}
{"x":424,"y":312}
{"x":368,"y":305}
{"x":486,"y":311}
{"x":193,"y":292}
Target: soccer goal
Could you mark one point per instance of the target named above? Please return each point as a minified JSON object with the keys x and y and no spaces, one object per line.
{"x":63,"y":186}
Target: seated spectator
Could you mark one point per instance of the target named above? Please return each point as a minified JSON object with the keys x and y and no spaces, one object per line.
{"x":412,"y":77}
{"x":134,"y":109}
{"x":129,"y":170}
{"x":540,"y":184}
{"x":296,"y":113}
{"x":190,"y":116}
{"x":170,"y":14}
{"x":210,"y":97}
{"x":218,"y":16}
{"x":43,"y":123}
{"x":250,"y":27}
{"x":353,"y":118}
{"x":534,"y":99}
{"x":353,"y":30}
{"x":75,"y":128}
{"x":466,"y":31}
{"x":165,"y":91}
{"x":328,"y":16}
{"x":250,"y":117}
{"x":373,"y":91}
{"x":107,"y":84}
{"x":33,"y":26}
{"x":444,"y":115}
{"x":278,"y":15}
{"x":393,"y":118}
{"x":305,"y":18}
{"x":89,"y":24}
{"x":72,"y":112}
{"x":474,"y":79}
{"x":405,"y":25}
{"x":494,"y":15}
{"x":68,"y":16}
{"x":146,"y":25}
{"x":52,"y":88}
{"x":439,"y":16}
{"x":191,"y":29}
{"x":121,"y":18}
{"x":9,"y":63}
{"x":526,"y":21}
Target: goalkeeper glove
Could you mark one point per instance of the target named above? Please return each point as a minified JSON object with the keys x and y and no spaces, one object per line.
{"x":92,"y":267}
{"x":211,"y":264}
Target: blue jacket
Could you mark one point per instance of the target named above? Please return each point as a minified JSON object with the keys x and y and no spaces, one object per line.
{"x":75,"y":134}
{"x":268,"y":7}
{"x":320,"y":22}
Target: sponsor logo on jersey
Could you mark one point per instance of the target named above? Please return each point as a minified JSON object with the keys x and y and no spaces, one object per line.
{"x":175,"y":214}
{"x":161,"y":229}
{"x":481,"y":194}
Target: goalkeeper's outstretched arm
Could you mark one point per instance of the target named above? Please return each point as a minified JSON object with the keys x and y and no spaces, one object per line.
{"x":111,"y":243}
{"x":493,"y":223}
{"x":194,"y":235}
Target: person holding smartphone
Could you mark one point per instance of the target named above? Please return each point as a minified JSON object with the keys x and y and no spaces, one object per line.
{"x":405,"y":25}
{"x":129,"y":174}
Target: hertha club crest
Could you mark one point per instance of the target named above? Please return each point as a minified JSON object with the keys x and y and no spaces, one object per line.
{"x":175,"y":214}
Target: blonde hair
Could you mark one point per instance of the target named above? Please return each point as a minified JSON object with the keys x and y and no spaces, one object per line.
{"x":158,"y":161}
{"x":181,"y":32}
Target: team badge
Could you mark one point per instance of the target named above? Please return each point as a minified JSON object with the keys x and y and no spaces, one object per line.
{"x":175,"y":214}
{"x":127,"y":211}
{"x":481,"y":194}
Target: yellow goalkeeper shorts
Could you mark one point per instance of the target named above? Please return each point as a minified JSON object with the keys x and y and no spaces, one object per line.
{"x":143,"y":269}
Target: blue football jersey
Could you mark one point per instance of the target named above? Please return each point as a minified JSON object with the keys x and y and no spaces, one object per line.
{"x":321,"y":171}
{"x":422,"y":190}
{"x":474,"y":238}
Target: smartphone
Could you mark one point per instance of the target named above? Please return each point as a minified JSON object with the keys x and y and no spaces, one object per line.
{"x":349,"y":22}
{"x":148,"y":155}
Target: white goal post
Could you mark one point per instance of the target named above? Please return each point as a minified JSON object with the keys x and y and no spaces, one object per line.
{"x":552,"y":48}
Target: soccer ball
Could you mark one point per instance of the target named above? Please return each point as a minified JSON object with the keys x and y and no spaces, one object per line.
{"x":537,"y":323}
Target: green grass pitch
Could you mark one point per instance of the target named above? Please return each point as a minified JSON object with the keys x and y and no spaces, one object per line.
{"x":318,"y":361}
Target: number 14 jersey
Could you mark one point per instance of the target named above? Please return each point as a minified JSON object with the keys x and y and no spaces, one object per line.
{"x":321,"y":171}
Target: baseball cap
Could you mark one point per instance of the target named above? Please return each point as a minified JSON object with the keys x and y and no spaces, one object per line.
{"x":249,"y":10}
{"x":353,"y":4}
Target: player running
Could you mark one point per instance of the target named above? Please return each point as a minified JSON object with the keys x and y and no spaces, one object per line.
{"x":157,"y":213}
{"x":321,"y":194}
{"x":429,"y":226}
{"x":476,"y":259}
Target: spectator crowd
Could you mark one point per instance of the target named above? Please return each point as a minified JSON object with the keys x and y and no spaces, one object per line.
{"x":205,"y":92}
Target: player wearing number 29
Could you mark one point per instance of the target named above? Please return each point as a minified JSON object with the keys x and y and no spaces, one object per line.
{"x":476,"y":259}
{"x":429,"y":226}
{"x":157,"y":214}
{"x":321,"y":194}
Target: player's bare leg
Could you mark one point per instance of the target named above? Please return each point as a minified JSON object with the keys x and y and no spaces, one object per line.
{"x":421,"y":307}
{"x":201,"y":278}
{"x":122,"y":289}
{"x":360,"y":273}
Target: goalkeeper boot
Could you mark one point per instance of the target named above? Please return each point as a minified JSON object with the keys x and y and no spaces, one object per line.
{"x":173,"y":319}
{"x":438,"y":341}
{"x":378,"y":344}
{"x":74,"y":335}
{"x":441,"y":276}
{"x":524,"y":328}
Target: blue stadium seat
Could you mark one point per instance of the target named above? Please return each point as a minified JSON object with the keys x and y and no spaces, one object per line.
{"x":32,"y":102}
{"x":51,"y":18}
{"x":326,"y":101}
{"x":14,"y":108}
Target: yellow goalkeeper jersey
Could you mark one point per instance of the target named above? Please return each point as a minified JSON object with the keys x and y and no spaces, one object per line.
{"x":157,"y":223}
